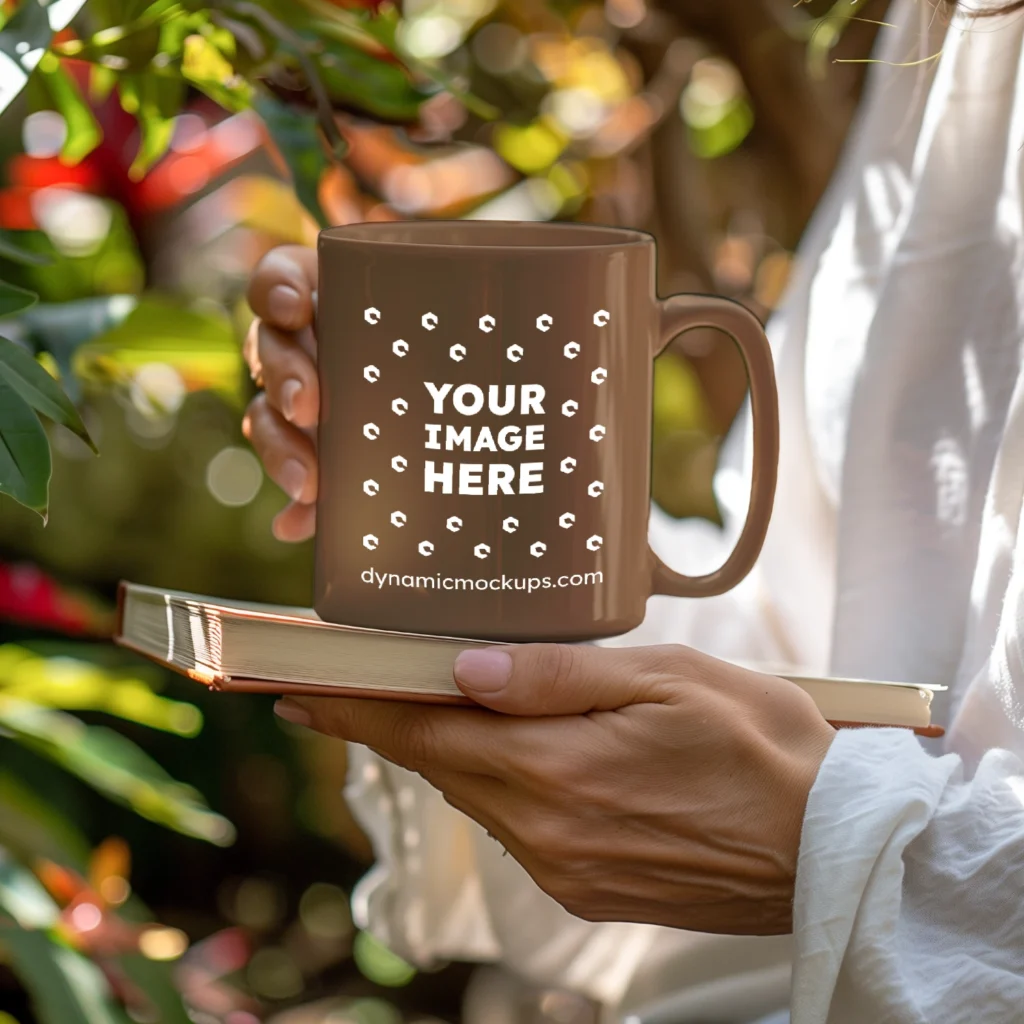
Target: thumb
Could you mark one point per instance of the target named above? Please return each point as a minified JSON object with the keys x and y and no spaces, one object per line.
{"x":566,"y":679}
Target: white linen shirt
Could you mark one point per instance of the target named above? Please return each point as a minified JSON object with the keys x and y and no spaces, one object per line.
{"x":895,"y":552}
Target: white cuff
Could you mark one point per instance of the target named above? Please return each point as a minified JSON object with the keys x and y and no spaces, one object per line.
{"x":876,"y":792}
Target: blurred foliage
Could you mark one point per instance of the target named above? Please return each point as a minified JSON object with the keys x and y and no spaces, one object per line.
{"x":73,"y":947}
{"x":152,"y":152}
{"x":560,"y":106}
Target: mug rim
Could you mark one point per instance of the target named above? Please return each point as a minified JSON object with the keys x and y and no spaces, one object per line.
{"x":373,"y":234}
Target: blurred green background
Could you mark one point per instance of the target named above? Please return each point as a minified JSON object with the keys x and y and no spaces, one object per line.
{"x":169,"y":855}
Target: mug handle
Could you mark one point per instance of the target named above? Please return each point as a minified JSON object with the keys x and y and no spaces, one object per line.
{"x":681,"y":313}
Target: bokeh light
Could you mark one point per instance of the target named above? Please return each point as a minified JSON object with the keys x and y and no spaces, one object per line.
{"x":157,"y":389}
{"x":163,"y":943}
{"x":430,"y":36}
{"x":43,"y":133}
{"x":324,"y":912}
{"x":254,"y":902}
{"x":115,"y":890}
{"x":715,"y":108}
{"x":500,"y":48}
{"x":86,"y":917}
{"x":379,"y":964}
{"x":234,"y":476}
{"x":272,"y":972}
{"x":76,"y":222}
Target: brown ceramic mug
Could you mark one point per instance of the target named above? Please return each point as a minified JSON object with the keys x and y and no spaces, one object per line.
{"x":485,"y":429}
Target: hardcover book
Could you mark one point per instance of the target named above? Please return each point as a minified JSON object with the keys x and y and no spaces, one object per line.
{"x":258,"y":648}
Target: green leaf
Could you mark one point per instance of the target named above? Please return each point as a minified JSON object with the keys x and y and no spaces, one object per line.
{"x":83,"y":130}
{"x":31,"y":828}
{"x":101,"y":82}
{"x":23,"y":897}
{"x":297,"y":137}
{"x":39,"y":389}
{"x":22,"y":42}
{"x":66,"y":988}
{"x":155,"y":100}
{"x":324,"y":20}
{"x":206,"y":67}
{"x":157,"y":981}
{"x":60,"y":328}
{"x":115,"y":767}
{"x":79,"y":685}
{"x":175,"y":31}
{"x":11,"y":250}
{"x":201,"y":346}
{"x":24,"y":451}
{"x":363,"y":80}
{"x":201,"y":61}
{"x":14,"y":299}
{"x":382,"y":28}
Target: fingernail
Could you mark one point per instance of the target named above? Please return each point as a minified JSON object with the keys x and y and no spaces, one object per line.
{"x":289,"y":392}
{"x":293,"y":713}
{"x":483,"y":671}
{"x":292,"y":478}
{"x":283,"y":305}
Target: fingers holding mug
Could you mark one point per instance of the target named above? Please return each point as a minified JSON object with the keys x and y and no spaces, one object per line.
{"x":295,"y":522}
{"x":290,"y":460}
{"x":283,"y":287}
{"x":280,"y":364}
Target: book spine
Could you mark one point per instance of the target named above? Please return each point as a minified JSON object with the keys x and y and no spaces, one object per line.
{"x":122,"y":589}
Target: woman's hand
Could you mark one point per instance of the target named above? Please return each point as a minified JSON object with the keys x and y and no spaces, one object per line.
{"x":281,"y":352}
{"x":648,"y":784}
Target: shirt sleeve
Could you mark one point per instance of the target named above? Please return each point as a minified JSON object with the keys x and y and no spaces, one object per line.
{"x":909,"y":906}
{"x":442,"y":890}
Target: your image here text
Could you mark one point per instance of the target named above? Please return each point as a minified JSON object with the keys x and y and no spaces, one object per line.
{"x":479,"y":478}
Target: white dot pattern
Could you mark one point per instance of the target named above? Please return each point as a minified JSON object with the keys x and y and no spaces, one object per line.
{"x":459,"y":352}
